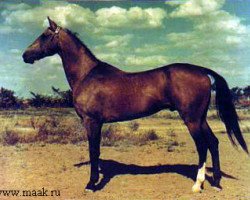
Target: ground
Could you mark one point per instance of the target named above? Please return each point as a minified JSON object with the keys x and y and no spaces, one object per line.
{"x":148,"y":171}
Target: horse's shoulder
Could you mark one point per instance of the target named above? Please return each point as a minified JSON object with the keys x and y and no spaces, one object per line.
{"x":97,"y":77}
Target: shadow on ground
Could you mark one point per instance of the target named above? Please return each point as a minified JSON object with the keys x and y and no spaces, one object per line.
{"x":111,"y":168}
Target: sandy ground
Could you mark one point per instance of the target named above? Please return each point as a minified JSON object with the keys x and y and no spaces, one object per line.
{"x":128,"y":172}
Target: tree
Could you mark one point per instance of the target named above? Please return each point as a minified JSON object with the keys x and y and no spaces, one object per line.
{"x":65,"y":96}
{"x":39,"y":100}
{"x":236,"y":93}
{"x":246,"y":92}
{"x":8,"y":99}
{"x":59,"y":99}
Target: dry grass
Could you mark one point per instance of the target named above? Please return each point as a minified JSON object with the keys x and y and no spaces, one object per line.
{"x":173,"y":143}
{"x":246,"y":129}
{"x":53,"y":131}
{"x":169,"y":156}
{"x":65,"y":129}
{"x":134,"y":125}
{"x":113,"y":135}
{"x":62,"y":126}
{"x":166,"y":114}
{"x":10,"y":137}
{"x":42,"y":128}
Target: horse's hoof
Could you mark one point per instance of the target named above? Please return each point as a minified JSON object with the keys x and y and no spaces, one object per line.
{"x":88,"y":190}
{"x":196,"y":188}
{"x":217,"y":188}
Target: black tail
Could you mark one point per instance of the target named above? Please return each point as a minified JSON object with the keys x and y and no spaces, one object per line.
{"x":227,"y":112}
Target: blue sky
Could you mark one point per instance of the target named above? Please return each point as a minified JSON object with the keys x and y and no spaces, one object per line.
{"x":132,"y":35}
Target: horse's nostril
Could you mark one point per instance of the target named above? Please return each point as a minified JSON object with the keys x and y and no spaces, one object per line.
{"x":24,"y":55}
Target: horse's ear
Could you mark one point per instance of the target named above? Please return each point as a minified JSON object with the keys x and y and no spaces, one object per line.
{"x":52,"y":24}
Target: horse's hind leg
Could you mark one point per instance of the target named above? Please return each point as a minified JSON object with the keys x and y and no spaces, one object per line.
{"x":195,"y":130}
{"x":213,"y":145}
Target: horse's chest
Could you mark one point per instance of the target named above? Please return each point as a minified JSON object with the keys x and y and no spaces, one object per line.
{"x":90,"y":101}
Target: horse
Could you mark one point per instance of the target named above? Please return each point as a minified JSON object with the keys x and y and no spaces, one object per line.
{"x":103,"y":93}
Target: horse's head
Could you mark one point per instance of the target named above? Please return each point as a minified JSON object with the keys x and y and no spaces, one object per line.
{"x":47,"y":44}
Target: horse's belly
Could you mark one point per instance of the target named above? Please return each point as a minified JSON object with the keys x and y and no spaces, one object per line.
{"x":128,"y":110}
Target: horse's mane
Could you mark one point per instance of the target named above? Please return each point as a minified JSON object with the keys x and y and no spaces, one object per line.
{"x":78,"y":42}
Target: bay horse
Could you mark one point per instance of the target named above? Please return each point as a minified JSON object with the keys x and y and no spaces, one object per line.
{"x":103,"y":93}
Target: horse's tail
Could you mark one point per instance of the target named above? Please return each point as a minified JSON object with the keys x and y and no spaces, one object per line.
{"x":226,"y":111}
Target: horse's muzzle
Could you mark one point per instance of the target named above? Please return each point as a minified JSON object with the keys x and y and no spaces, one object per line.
{"x":27,"y":58}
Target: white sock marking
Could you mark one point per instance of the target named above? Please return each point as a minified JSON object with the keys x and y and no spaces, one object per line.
{"x":200,"y":178}
{"x":201,"y":173}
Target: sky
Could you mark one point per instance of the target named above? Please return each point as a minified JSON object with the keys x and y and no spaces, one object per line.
{"x":132,"y":35}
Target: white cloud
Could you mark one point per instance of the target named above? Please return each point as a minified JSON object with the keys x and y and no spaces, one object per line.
{"x":133,"y":17}
{"x":22,"y":17}
{"x":221,"y":21}
{"x":54,"y":60}
{"x":131,"y":61}
{"x":218,"y":30}
{"x":6,"y":29}
{"x":233,"y":40}
{"x":143,"y":61}
{"x":175,"y":2}
{"x":212,"y":25}
{"x":231,"y":24}
{"x":51,"y":77}
{"x":15,"y":51}
{"x":151,"y":48}
{"x":217,"y":39}
{"x":197,"y":8}
{"x":29,"y":18}
{"x":118,"y":40}
{"x":113,"y":58}
{"x":20,"y":6}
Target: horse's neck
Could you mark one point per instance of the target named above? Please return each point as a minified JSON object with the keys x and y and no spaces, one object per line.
{"x":77,"y":62}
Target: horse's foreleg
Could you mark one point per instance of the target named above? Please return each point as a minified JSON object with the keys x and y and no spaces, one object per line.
{"x":93,"y":129}
{"x":201,"y":145}
{"x":213,"y":145}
